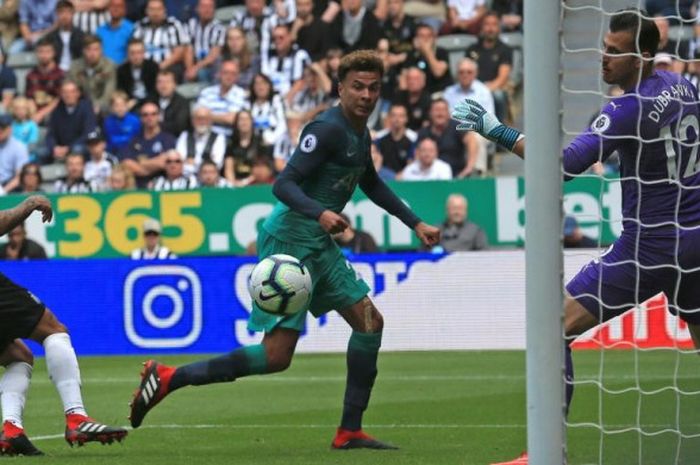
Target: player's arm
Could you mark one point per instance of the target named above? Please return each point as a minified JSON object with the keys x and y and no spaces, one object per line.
{"x":379,"y":193}
{"x":314,"y":148}
{"x":9,"y":219}
{"x":586,"y":149}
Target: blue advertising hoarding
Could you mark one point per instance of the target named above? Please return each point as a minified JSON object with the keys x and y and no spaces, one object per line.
{"x":196,"y":305}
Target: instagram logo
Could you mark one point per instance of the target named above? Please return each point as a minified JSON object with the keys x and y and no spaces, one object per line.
{"x":162,"y":307}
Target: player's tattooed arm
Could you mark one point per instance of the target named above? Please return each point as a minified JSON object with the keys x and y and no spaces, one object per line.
{"x":12,"y":217}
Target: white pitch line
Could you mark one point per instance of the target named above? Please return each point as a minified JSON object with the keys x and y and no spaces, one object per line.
{"x":417,"y":378}
{"x":321,"y":426}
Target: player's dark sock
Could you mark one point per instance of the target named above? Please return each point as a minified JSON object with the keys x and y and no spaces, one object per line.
{"x":244,"y":361}
{"x":569,"y":373}
{"x":362,"y":371}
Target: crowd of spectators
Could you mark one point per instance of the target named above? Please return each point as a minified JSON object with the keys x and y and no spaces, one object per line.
{"x":105,"y":100}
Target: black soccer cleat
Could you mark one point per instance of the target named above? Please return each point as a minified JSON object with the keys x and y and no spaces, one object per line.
{"x":345,"y":440}
{"x":18,"y":445}
{"x":91,"y":431}
{"x":155,"y":379}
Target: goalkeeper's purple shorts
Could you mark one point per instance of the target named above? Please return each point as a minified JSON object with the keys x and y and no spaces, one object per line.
{"x":636,"y":268}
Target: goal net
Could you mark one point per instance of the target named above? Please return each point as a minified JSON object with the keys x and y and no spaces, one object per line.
{"x":637,"y":377}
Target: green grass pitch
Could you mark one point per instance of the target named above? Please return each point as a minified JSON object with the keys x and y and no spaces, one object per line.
{"x":440,"y":407}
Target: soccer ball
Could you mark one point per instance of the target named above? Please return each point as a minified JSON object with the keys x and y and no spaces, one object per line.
{"x":281,"y":285}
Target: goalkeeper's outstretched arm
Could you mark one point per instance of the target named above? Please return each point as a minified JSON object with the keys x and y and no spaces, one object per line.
{"x":582,"y":152}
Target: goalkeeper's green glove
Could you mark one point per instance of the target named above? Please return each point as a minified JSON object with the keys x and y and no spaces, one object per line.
{"x":473,"y":117}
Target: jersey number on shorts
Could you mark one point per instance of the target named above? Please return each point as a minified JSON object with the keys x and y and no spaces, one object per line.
{"x":689,"y":121}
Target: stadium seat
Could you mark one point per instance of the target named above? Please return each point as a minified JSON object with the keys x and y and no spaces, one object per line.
{"x":227,"y":13}
{"x":53,"y":172}
{"x":191,"y":90}
{"x":21,"y":60}
{"x":455,"y":45}
{"x":513,"y":39}
{"x":681,"y":33}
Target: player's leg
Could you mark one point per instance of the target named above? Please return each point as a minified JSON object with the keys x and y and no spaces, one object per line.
{"x":14,"y":384}
{"x":274,"y":354}
{"x":363,"y":349}
{"x":64,"y":372}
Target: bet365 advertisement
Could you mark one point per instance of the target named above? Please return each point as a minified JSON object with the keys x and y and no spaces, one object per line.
{"x":462,"y":301}
{"x":224,"y":221}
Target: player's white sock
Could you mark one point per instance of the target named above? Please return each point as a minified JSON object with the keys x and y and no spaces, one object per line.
{"x":14,"y":385}
{"x":64,"y":372}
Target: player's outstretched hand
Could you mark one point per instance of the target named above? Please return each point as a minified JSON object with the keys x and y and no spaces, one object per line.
{"x":332,"y":222}
{"x":41,"y":204}
{"x":471,"y":116}
{"x":429,"y":235}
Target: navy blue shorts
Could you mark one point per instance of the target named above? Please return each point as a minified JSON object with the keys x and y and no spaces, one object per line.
{"x":636,"y":268}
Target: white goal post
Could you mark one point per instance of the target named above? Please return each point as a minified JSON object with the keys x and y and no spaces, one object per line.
{"x":543,"y":246}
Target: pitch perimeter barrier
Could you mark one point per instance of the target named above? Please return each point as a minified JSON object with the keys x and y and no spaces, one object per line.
{"x":463,"y":301}
{"x":224,"y":221}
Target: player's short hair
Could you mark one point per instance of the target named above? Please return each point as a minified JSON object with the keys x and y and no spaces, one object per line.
{"x":643,"y":29}
{"x":118,"y":95}
{"x":133,"y":41}
{"x":208,"y":162}
{"x":167,"y":72}
{"x":65,"y":4}
{"x":90,"y":39}
{"x":360,"y":60}
{"x":44,"y":42}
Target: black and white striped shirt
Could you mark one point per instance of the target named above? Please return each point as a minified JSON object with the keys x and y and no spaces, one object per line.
{"x":161,"y":183}
{"x":159,"y":253}
{"x":89,"y":21}
{"x":161,"y":40}
{"x":205,"y":36}
{"x":81,"y":186}
{"x":284,"y":71}
{"x":257,"y":29}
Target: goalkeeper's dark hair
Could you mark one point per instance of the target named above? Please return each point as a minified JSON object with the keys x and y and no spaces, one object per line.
{"x":642,"y":28}
{"x":360,"y":60}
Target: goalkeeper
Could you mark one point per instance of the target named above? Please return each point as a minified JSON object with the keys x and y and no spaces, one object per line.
{"x":654,"y":127}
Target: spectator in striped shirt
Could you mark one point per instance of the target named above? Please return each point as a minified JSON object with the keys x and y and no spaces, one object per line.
{"x":201,"y":142}
{"x":74,"y":182}
{"x":236,"y":48}
{"x":66,"y":38}
{"x":207,"y":34}
{"x":311,"y":99}
{"x":255,"y":22}
{"x":268,"y":110}
{"x":175,"y":178}
{"x":36,"y":18}
{"x":90,"y":15}
{"x":165,"y":38}
{"x":285,"y":66}
{"x":95,"y":75}
{"x":225,"y":99}
{"x":44,"y":80}
{"x":115,"y":33}
{"x":152,"y":249}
